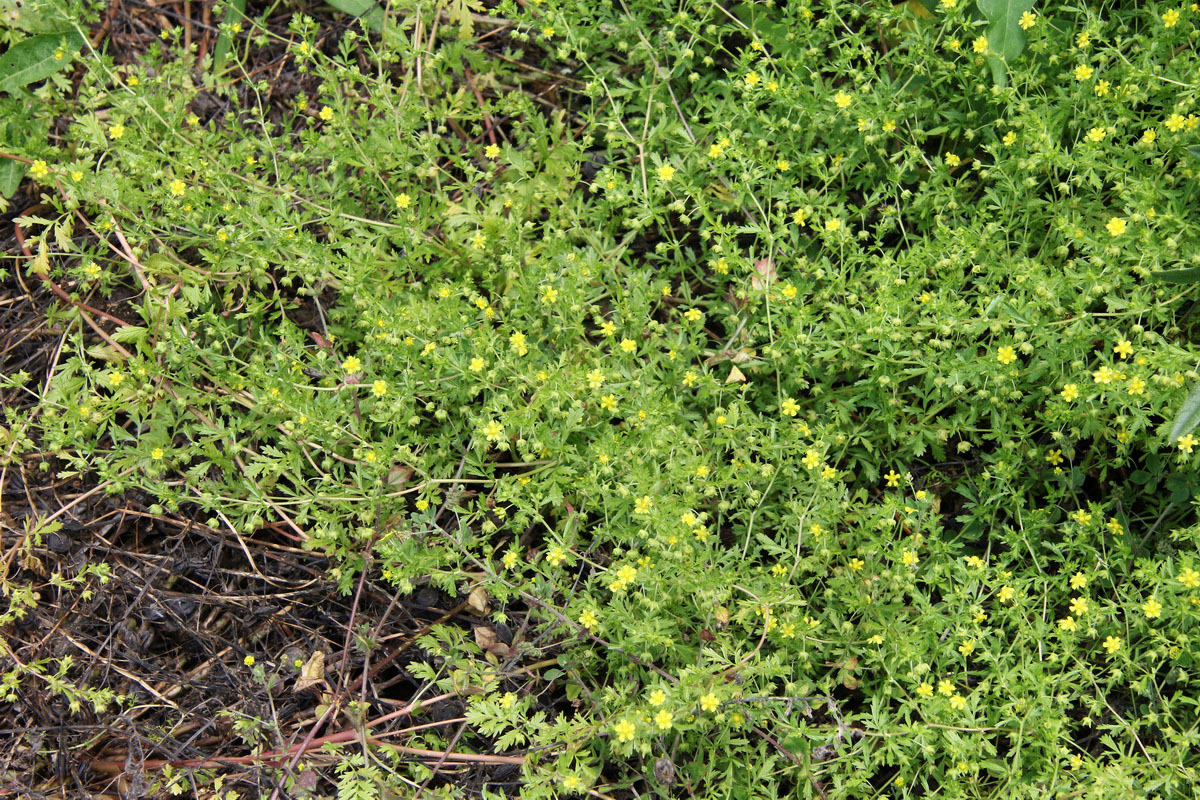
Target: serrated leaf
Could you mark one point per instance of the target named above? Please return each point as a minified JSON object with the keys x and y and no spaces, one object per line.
{"x":130,"y":333}
{"x":37,"y":58}
{"x":1004,"y":33}
{"x":1189,"y":275}
{"x":1188,"y":417}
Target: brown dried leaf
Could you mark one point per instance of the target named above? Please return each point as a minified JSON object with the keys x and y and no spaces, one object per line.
{"x":477,"y":601}
{"x":312,"y":673}
{"x":735,"y":376}
{"x":485,"y":637}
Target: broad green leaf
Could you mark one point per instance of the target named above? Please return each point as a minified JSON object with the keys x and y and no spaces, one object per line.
{"x":1004,"y":34}
{"x":1189,"y":275}
{"x":37,"y":58}
{"x":1189,"y":415}
{"x":237,"y":12}
{"x":369,"y":12}
{"x":33,"y":16}
{"x":11,"y":173}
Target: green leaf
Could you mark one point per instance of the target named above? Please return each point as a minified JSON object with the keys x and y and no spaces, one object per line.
{"x":1189,"y":275}
{"x":37,"y":58}
{"x":1004,"y":33}
{"x":1189,"y":415}
{"x":368,"y":12}
{"x":11,"y":173}
{"x":237,"y":12}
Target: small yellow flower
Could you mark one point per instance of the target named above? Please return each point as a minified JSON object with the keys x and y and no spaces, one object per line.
{"x":352,"y":364}
{"x":39,"y":169}
{"x":1115,"y":226}
{"x":1079,"y":606}
{"x":379,"y":388}
{"x":1170,"y":17}
{"x":842,"y":100}
{"x":663,"y":720}
{"x":1186,"y":443}
{"x":1175,"y":123}
{"x":1096,"y":134}
{"x":403,"y":201}
{"x":909,"y":558}
{"x":1069,"y":392}
{"x":116,"y":131}
{"x":980,"y":45}
{"x":589,"y":620}
{"x":952,"y":160}
{"x":326,"y":113}
{"x":1149,"y":135}
{"x":1078,"y":580}
{"x":1083,"y":72}
{"x":946,"y":687}
{"x":1124,"y":349}
{"x":1054,"y":457}
{"x":833,"y":224}
{"x":856,"y":564}
{"x":925,"y":689}
{"x":1152,"y":608}
{"x":477,"y":364}
{"x":709,"y":702}
{"x":1006,"y":355}
{"x":892,"y":478}
{"x":1112,"y":644}
{"x":958,"y":702}
{"x":752,"y":78}
{"x":624,"y":730}
{"x":889,"y":126}
{"x":789,"y":407}
{"x":157,"y":454}
{"x":1009,"y":139}
{"x":967,"y":647}
{"x":666,"y":172}
{"x":643,"y":504}
{"x":248,"y":661}
{"x":1006,"y":594}
{"x":1027,"y":21}
{"x":1190,"y":578}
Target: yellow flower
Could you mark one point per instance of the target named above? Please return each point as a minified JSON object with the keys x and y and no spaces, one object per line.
{"x":1006,"y":355}
{"x":624,"y":730}
{"x":39,"y":169}
{"x":946,"y":687}
{"x":157,"y":454}
{"x":842,"y":100}
{"x":892,"y":478}
{"x":1112,"y":644}
{"x":1115,"y":226}
{"x":589,"y":620}
{"x":116,"y":131}
{"x":925,"y":689}
{"x":477,"y":364}
{"x":958,"y":702}
{"x":663,"y":720}
{"x":856,"y":564}
{"x":752,"y":79}
{"x":643,"y":504}
{"x":609,"y":402}
{"x":1078,"y":580}
{"x":980,"y":45}
{"x":1186,"y":443}
{"x":812,"y":459}
{"x":952,"y":160}
{"x":326,"y":113}
{"x":1137,"y":386}
{"x":1069,"y":392}
{"x":403,"y":201}
{"x":1079,"y":606}
{"x":909,"y":558}
{"x":1009,"y":139}
{"x":177,"y":187}
{"x":1083,"y":72}
{"x":1152,"y":608}
{"x":789,"y":407}
{"x":1190,"y":578}
{"x":1149,"y":135}
{"x":1095,"y":135}
{"x":1054,"y":457}
{"x":493,"y":431}
{"x":709,"y":702}
{"x":352,"y":364}
{"x":1027,"y":21}
{"x":1006,"y":594}
{"x":248,"y":661}
{"x":1174,"y":123}
{"x":1124,"y":349}
{"x":889,"y":126}
{"x":379,"y":388}
{"x":833,"y":224}
{"x":666,"y":172}
{"x":1170,"y":17}
{"x":967,"y":647}
{"x":628,"y":345}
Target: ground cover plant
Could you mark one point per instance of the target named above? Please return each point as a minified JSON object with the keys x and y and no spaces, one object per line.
{"x":785,"y":391}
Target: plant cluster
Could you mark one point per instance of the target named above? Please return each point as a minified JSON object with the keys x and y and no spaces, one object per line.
{"x":800,"y":366}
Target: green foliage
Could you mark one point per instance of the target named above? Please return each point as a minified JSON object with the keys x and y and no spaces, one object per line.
{"x":810,"y":387}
